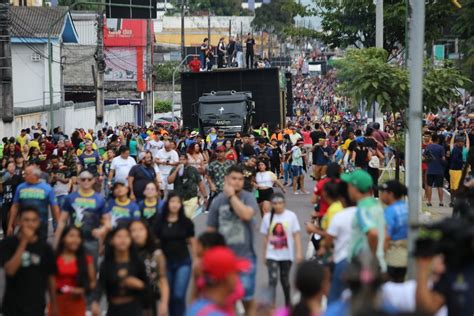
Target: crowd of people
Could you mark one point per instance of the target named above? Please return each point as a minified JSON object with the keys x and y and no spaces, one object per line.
{"x":109,"y":215}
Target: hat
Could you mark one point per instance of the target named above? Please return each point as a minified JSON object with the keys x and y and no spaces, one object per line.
{"x":220,"y":148}
{"x":193,"y":134}
{"x":218,"y":262}
{"x":360,"y":179}
{"x":393,"y":186}
{"x":85,"y":175}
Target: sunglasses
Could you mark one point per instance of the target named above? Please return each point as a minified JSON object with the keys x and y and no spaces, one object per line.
{"x":87,"y":179}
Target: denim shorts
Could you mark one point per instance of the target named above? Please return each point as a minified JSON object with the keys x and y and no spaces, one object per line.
{"x":248,"y":280}
{"x":297,"y":171}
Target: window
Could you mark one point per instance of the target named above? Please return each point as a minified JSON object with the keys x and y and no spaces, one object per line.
{"x":35,"y":57}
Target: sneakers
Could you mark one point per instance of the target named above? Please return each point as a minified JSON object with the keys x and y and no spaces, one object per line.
{"x":441,"y":205}
{"x":429,"y":204}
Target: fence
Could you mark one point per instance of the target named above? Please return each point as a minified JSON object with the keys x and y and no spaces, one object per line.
{"x":69,"y":117}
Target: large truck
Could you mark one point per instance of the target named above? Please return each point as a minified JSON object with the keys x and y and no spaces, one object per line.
{"x":229,"y":111}
{"x":233,"y":100}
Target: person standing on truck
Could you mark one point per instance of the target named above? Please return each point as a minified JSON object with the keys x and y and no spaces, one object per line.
{"x":249,"y":44}
{"x":194,"y":65}
{"x":204,"y":49}
{"x":221,"y":49}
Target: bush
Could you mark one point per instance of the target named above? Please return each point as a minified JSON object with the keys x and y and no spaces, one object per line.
{"x":162,"y":106}
{"x":164,"y":72}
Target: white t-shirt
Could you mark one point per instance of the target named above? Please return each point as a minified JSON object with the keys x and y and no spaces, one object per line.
{"x":122,"y":167}
{"x":340,"y":228}
{"x":281,"y":245}
{"x":169,"y":156}
{"x":155,"y":146}
{"x":265,"y":179}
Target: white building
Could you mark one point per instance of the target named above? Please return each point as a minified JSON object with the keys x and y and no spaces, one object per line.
{"x":29,"y":29}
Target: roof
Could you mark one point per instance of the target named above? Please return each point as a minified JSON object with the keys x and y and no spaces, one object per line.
{"x":34,"y":23}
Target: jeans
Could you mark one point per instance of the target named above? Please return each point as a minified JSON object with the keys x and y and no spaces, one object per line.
{"x":248,"y":279}
{"x":284,"y":267}
{"x":287,"y":172}
{"x":179,"y":273}
{"x":337,"y":284}
{"x":249,"y":59}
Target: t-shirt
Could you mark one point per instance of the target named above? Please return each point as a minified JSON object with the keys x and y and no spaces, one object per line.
{"x":60,"y":188}
{"x":86,"y":211}
{"x":281,"y":245}
{"x":25,"y":291}
{"x":90,"y":162}
{"x":456,"y":160}
{"x":333,"y":209}
{"x":40,"y":195}
{"x":435,"y":166}
{"x":307,"y":137}
{"x":154,"y":146}
{"x":122,"y":212}
{"x":174,"y":237}
{"x":150,"y":211}
{"x":142,"y":176}
{"x":195,"y":65}
{"x":369,"y":215}
{"x":186,"y":182}
{"x":122,"y":168}
{"x":457,"y":289}
{"x":396,"y":217}
{"x":167,"y":156}
{"x":9,"y":187}
{"x":203,"y":307}
{"x":340,"y":228}
{"x":249,"y":176}
{"x":237,"y":233}
{"x":316,"y":135}
{"x":297,"y":159}
{"x":318,"y":191}
{"x":319,"y":157}
{"x":362,"y":153}
{"x":217,"y":171}
{"x":249,"y":44}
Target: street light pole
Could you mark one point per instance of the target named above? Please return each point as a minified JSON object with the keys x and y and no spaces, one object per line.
{"x":183,"y":52}
{"x":379,"y":24}
{"x":415,"y":113}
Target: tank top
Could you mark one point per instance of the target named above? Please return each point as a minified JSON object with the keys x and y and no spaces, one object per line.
{"x":265,"y":179}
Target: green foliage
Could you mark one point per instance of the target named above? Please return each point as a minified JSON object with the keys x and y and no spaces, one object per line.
{"x":162,"y":106}
{"x":164,"y":72}
{"x":464,"y":29}
{"x":217,"y":7}
{"x":277,"y":15}
{"x":365,"y":75}
{"x":352,"y":22}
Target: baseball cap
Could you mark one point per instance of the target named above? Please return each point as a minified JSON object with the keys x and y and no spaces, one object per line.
{"x":220,"y":148}
{"x":218,"y":262}
{"x":360,"y":179}
{"x":393,"y":186}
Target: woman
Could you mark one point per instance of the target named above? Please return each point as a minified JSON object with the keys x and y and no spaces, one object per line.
{"x":75,"y":275}
{"x":238,"y":144}
{"x":155,"y":265}
{"x":230,"y":153}
{"x":25,"y":152}
{"x":265,"y":180}
{"x":151,"y":206}
{"x":176,"y":234}
{"x":312,"y":282}
{"x":132,"y":145}
{"x":221,"y":50}
{"x":33,"y":155}
{"x":196,"y":157}
{"x":122,"y":276}
{"x":264,"y":135}
{"x":101,"y":143}
{"x":43,"y":157}
{"x":281,"y":245}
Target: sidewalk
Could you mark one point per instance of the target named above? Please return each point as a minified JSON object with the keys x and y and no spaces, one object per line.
{"x":436,"y":213}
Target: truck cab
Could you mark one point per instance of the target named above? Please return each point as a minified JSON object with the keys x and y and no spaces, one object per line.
{"x":229,"y":111}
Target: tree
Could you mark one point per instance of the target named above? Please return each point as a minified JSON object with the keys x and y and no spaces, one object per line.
{"x":365,"y":75}
{"x":217,"y":7}
{"x":277,"y":15}
{"x":352,"y":22}
{"x":464,"y":29}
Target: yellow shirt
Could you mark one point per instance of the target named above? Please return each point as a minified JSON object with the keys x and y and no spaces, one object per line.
{"x":34,"y":144}
{"x":333,"y":209}
{"x":22,"y":140}
{"x":346,"y":144}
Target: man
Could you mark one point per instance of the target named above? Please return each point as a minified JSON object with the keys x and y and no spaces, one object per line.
{"x":230,"y":51}
{"x":321,"y":158}
{"x":249,"y":170}
{"x":166,"y":159}
{"x":434,"y":156}
{"x":90,"y":160}
{"x":219,"y":141}
{"x":220,"y":268}
{"x":368,"y":228}
{"x":262,"y":151}
{"x":217,"y":170}
{"x":297,"y":168}
{"x":8,"y":185}
{"x":186,"y":179}
{"x":194,"y":65}
{"x":29,"y":265}
{"x":59,"y":180}
{"x":86,"y":209}
{"x":32,"y":192}
{"x":121,"y":166}
{"x":456,"y":163}
{"x":142,"y":174}
{"x":249,"y":53}
{"x":23,"y":138}
{"x":232,"y":213}
{"x":317,"y":133}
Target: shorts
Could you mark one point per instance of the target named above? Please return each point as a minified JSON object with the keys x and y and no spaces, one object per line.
{"x":435,"y":180}
{"x":320,"y":171}
{"x":454,"y":179}
{"x":264,"y":195}
{"x":297,"y":171}
{"x":248,"y":280}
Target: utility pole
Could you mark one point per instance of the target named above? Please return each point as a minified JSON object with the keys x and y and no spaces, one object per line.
{"x":415,"y":114}
{"x":149,"y":72}
{"x":376,"y":115}
{"x":230,"y":28}
{"x":6,"y":87}
{"x":100,"y":65}
{"x":209,"y":27}
{"x":183,"y":49}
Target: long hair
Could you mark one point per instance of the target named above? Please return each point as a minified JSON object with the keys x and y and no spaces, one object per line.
{"x":309,"y":279}
{"x":81,"y":261}
{"x":109,"y":257}
{"x":151,"y":244}
{"x":166,"y":209}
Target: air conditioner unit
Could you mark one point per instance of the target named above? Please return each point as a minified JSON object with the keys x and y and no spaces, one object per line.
{"x":48,"y":4}
{"x":35,"y":57}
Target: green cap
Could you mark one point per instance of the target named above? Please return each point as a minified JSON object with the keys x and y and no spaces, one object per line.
{"x":360,"y":179}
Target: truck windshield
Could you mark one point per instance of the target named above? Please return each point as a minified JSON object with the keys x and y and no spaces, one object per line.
{"x":218,"y":110}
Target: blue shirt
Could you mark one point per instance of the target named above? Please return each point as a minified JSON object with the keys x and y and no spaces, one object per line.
{"x":150,"y":211}
{"x":396,"y":218}
{"x":90,"y":162}
{"x":40,"y":195}
{"x":122,"y":212}
{"x":203,"y":307}
{"x":85,"y":211}
{"x":435,"y":167}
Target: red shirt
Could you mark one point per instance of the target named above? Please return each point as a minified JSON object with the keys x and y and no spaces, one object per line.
{"x":318,"y":191}
{"x":195,"y":65}
{"x":67,"y":272}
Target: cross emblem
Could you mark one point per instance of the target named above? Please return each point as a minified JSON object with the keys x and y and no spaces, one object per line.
{"x":221,"y":109}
